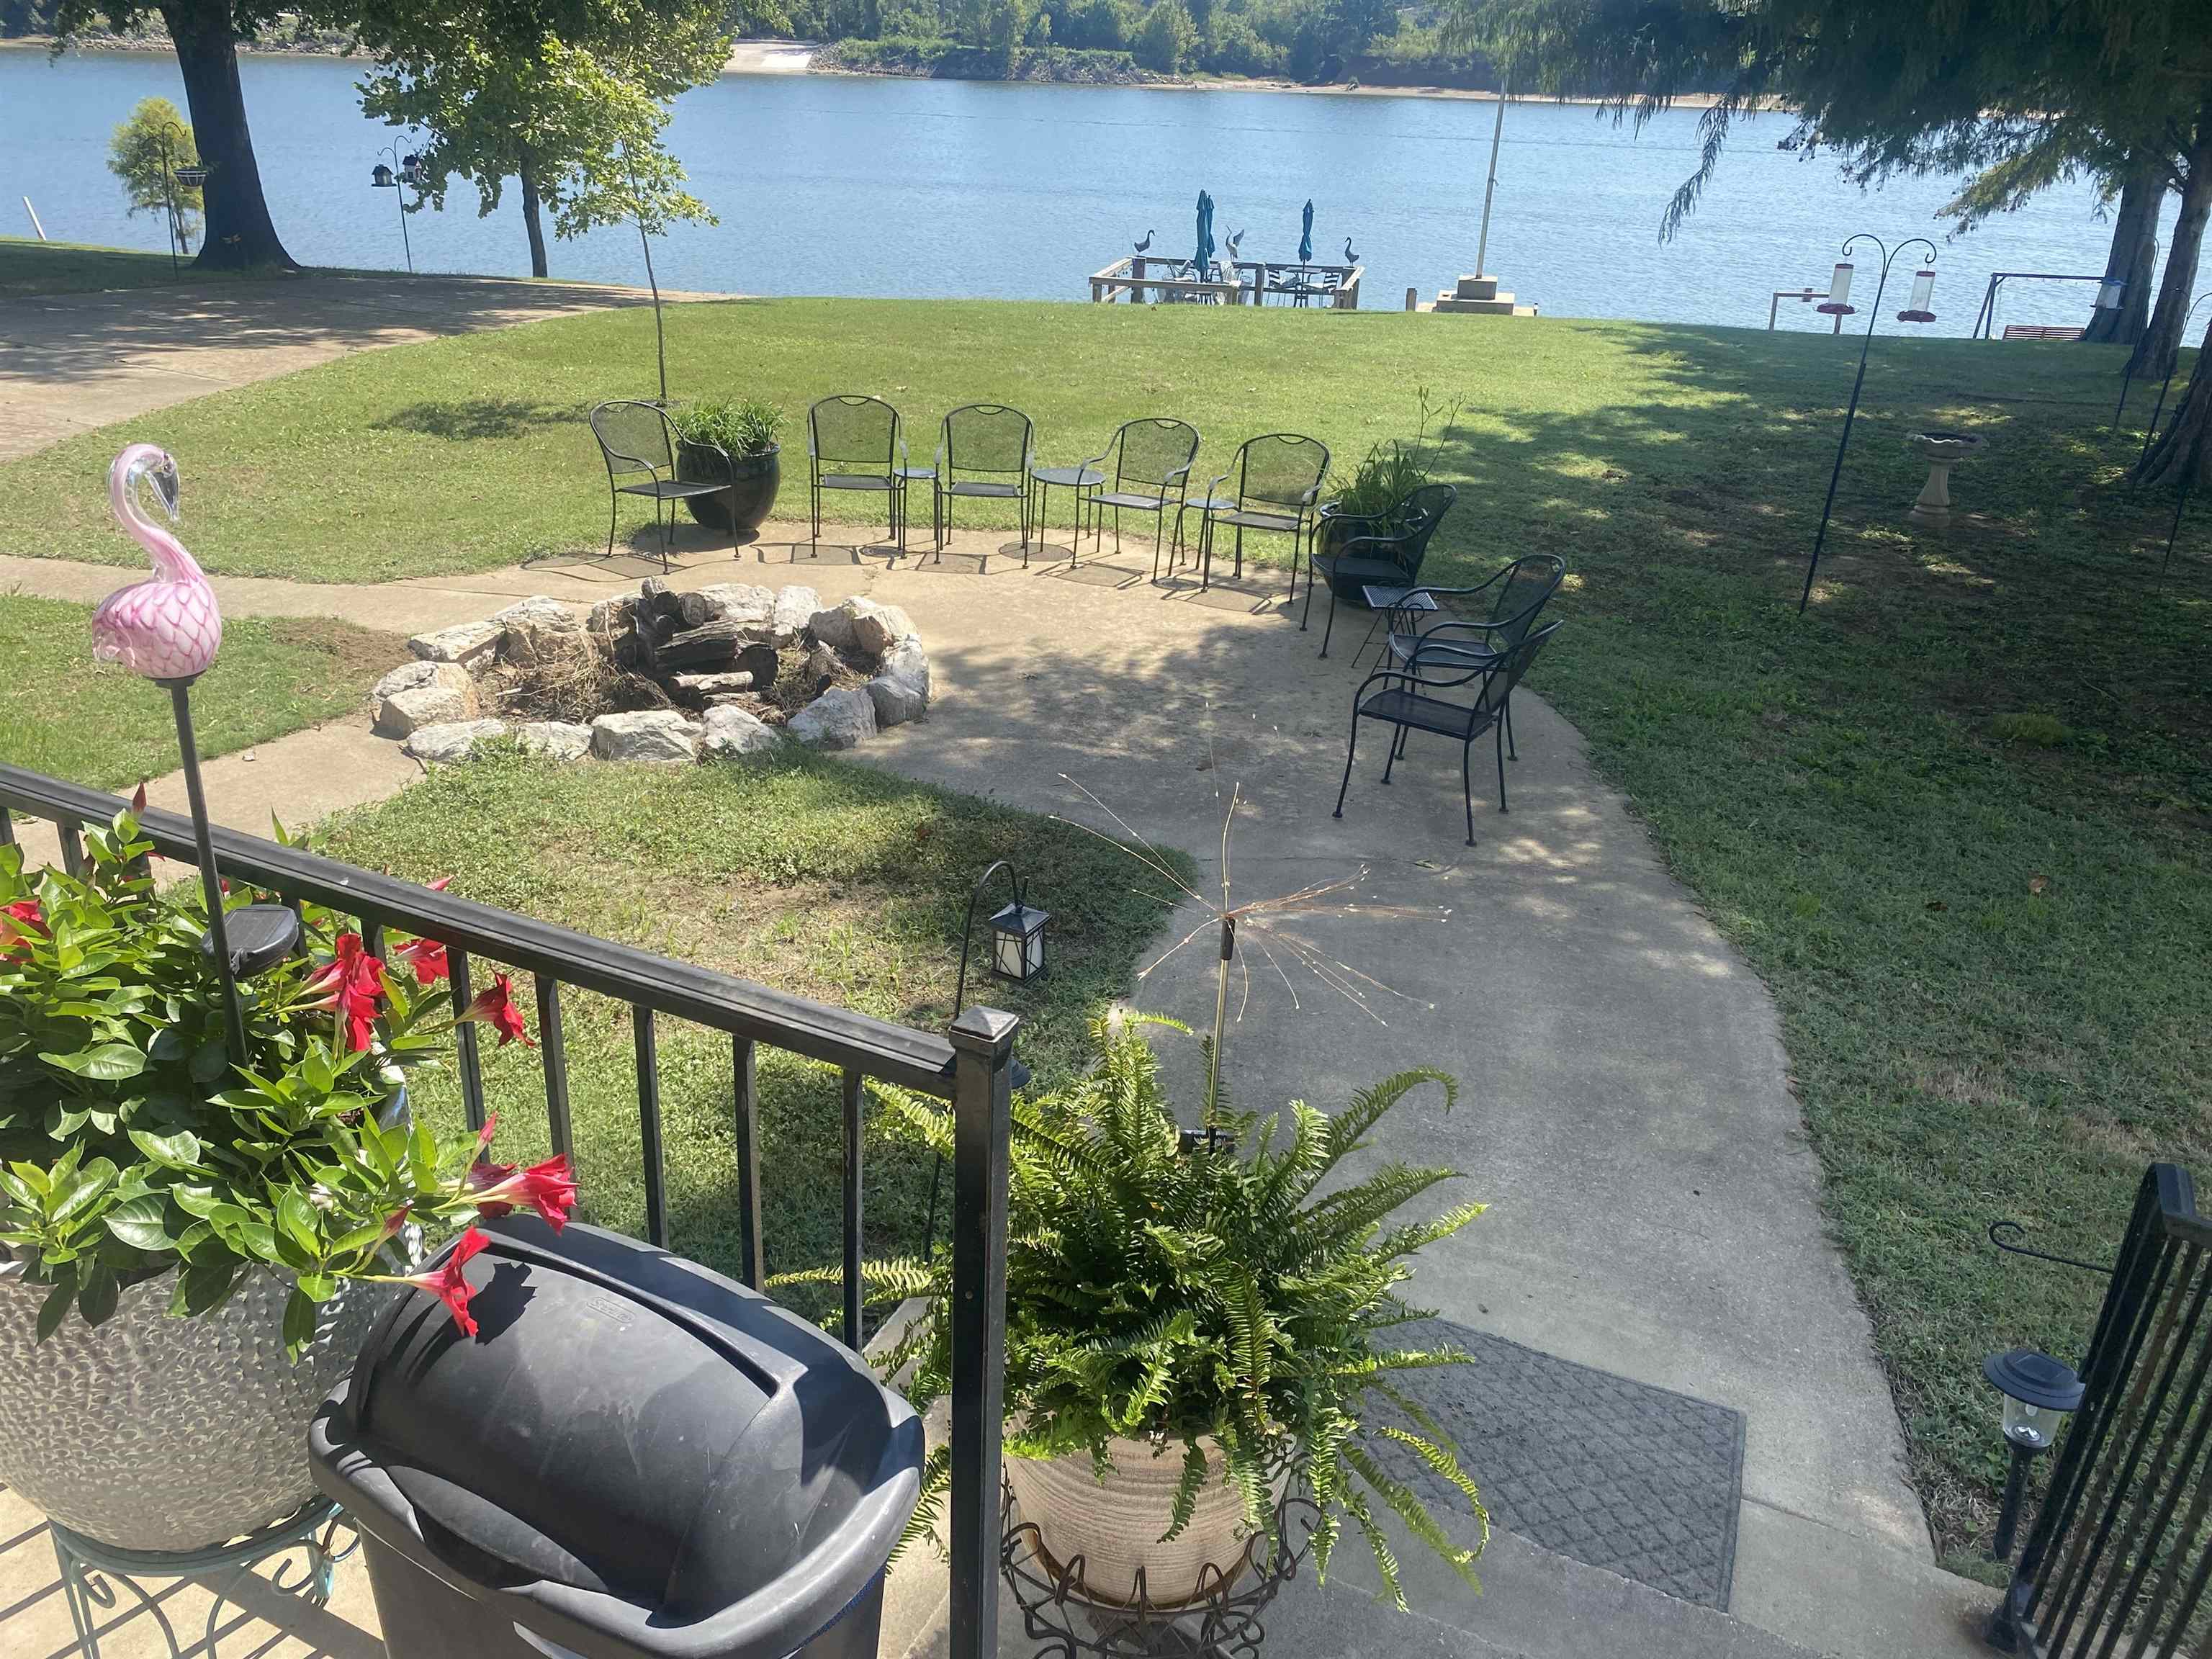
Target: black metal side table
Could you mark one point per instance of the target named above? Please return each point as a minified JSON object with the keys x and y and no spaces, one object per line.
{"x":1223,"y":1621}
{"x":1076,"y":478}
{"x":91,"y":1570}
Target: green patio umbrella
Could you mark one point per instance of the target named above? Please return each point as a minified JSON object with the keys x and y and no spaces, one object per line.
{"x":1203,"y":262}
{"x":1305,"y":238}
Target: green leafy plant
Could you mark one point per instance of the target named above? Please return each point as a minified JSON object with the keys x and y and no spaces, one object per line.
{"x":1393,"y":469}
{"x":145,"y":153}
{"x":131,"y":1143}
{"x":749,"y":426}
{"x":1183,"y":1292}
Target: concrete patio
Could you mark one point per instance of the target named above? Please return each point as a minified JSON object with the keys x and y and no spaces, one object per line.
{"x":1627,"y":1111}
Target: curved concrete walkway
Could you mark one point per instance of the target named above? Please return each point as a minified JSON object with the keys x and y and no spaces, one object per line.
{"x":70,"y":362}
{"x":1627,"y":1112}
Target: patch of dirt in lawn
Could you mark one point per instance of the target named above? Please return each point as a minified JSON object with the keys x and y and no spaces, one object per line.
{"x":359,"y":651}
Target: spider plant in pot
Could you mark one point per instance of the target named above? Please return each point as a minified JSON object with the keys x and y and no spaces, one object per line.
{"x":191,"y":1248}
{"x":718,"y":439}
{"x":1191,"y":1327}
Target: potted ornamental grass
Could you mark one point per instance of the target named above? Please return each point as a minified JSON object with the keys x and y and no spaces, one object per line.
{"x":192,"y":1248}
{"x":1194,"y":1328}
{"x":717,"y":439}
{"x":1390,"y":471}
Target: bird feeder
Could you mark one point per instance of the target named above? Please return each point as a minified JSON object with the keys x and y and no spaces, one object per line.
{"x":1838,"y":302}
{"x":1924,"y":291}
{"x":2111,"y":292}
{"x":380,"y":176}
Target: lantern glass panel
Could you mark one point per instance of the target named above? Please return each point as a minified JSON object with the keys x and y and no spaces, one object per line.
{"x":1017,"y":942}
{"x":2033,"y":1427}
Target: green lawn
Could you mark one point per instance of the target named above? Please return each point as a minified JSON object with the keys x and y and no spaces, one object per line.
{"x":820,"y":878}
{"x":1956,"y":817}
{"x":64,"y":714}
{"x":28,"y":266}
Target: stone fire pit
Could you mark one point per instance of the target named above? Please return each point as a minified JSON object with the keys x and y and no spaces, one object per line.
{"x":654,"y":675}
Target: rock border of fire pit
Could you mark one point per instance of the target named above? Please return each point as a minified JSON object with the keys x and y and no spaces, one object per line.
{"x":434,"y":704}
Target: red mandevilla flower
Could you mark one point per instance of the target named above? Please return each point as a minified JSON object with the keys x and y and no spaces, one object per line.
{"x":495,"y":1006}
{"x":425,"y":956}
{"x":446,"y":1282}
{"x":550,"y":1188}
{"x":360,"y":990}
{"x":20,"y":922}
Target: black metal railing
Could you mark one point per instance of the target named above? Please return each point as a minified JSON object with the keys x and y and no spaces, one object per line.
{"x":971,"y":1068}
{"x":2120,"y":1555}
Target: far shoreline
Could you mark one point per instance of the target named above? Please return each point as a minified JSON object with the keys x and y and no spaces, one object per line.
{"x":748,"y":59}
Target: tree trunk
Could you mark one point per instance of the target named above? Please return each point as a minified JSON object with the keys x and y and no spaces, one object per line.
{"x":2134,"y":258}
{"x":2155,"y":352}
{"x":530,"y":219}
{"x":2184,"y":450}
{"x":236,"y":230}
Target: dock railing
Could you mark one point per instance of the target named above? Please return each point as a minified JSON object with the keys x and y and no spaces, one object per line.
{"x":1257,"y":282}
{"x":971,"y":1068}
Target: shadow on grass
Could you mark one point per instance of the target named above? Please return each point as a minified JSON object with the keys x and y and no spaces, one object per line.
{"x":469,"y":419}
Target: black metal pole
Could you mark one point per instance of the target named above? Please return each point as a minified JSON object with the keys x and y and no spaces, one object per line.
{"x":210,"y":878}
{"x":169,"y":195}
{"x":2127,"y":380}
{"x":2008,"y":1515}
{"x":2180,"y":503}
{"x":2159,"y":408}
{"x":960,"y":1002}
{"x":1850,"y":414}
{"x":406,"y":242}
{"x":659,"y":340}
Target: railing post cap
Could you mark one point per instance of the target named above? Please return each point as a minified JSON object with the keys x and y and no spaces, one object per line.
{"x":985,"y":1031}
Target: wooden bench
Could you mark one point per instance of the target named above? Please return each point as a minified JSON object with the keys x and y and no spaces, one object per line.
{"x":2039,"y":331}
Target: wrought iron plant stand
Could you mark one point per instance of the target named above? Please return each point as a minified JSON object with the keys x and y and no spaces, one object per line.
{"x":1222,"y":1621}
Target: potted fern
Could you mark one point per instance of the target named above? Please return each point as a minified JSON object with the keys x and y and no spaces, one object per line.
{"x":1390,"y":471}
{"x":1191,"y":1328}
{"x":717,"y":440}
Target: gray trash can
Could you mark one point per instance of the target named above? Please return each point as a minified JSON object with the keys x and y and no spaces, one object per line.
{"x":633,"y":1457}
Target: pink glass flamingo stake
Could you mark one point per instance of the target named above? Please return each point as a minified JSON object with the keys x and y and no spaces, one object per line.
{"x":168,"y":628}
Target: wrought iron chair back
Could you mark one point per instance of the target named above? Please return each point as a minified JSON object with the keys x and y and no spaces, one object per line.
{"x":1280,"y":469}
{"x":852,"y":429}
{"x":1156,"y":451}
{"x":634,"y":437}
{"x":1524,"y":588}
{"x":986,"y":442}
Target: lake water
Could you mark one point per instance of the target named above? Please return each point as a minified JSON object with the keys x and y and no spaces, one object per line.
{"x":837,"y":184}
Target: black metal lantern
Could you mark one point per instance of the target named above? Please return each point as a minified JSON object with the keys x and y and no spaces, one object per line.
{"x":1018,"y":941}
{"x":2039,"y":1393}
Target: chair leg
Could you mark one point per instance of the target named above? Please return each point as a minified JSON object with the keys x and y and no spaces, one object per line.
{"x":1350,"y":749}
{"x":1390,"y":759}
{"x":1501,"y":768}
{"x":1467,"y":785}
{"x":814,"y":517}
{"x":1308,"y":617}
{"x":1240,"y":552}
{"x":1511,"y":751}
{"x":613,"y":501}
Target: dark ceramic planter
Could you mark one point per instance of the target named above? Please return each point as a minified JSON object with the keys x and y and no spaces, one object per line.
{"x":744,"y":506}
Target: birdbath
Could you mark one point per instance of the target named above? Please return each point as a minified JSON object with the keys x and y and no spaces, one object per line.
{"x":1944,"y":451}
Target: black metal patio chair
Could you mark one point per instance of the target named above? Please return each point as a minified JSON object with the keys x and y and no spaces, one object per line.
{"x":857,"y":442}
{"x":638,"y":442}
{"x":1385,"y":549}
{"x":1278,"y":478}
{"x":985,"y":452}
{"x":1481,"y":621}
{"x":1410,"y":697}
{"x":1147,"y":466}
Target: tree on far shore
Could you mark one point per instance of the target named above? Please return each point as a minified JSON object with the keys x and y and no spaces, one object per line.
{"x":574,"y":118}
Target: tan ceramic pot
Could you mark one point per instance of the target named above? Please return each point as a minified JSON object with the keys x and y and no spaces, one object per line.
{"x":1114,"y":1527}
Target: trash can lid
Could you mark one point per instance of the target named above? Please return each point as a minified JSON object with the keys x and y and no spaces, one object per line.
{"x":639,"y":1455}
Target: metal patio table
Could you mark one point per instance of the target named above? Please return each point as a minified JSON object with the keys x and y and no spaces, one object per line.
{"x":1076,"y":478}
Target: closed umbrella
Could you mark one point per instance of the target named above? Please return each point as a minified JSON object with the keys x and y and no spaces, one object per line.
{"x":1305,"y":238}
{"x":1203,"y":262}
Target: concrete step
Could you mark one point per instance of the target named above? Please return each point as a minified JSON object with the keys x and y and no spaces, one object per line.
{"x":1501,"y":305}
